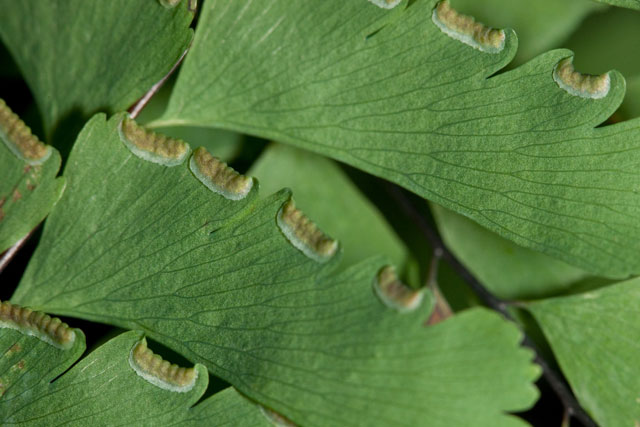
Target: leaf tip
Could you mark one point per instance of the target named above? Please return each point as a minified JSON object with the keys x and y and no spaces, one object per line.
{"x":18,"y":138}
{"x":395,"y":294}
{"x":218,"y":177}
{"x":304,"y":234}
{"x":578,"y":84}
{"x":160,"y":372}
{"x":151,"y":146}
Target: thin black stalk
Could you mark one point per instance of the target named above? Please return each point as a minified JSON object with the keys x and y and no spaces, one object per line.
{"x":557,"y":384}
{"x":136,"y":108}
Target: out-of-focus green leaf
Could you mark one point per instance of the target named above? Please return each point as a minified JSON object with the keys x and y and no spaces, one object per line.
{"x":79,"y":56}
{"x":631,"y":106}
{"x":28,"y":186}
{"x":605,"y":40}
{"x":220,"y":282}
{"x":105,"y":388}
{"x":392,"y":93}
{"x":327,"y":195}
{"x":594,"y":336}
{"x":631,"y":4}
{"x":506,"y":269}
{"x":540,"y":24}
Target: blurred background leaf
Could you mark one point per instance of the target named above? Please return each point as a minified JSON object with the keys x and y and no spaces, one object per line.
{"x":326,"y":195}
{"x":540,"y":24}
{"x":594,"y":336}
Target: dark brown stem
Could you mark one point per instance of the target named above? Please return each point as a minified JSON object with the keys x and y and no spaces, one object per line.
{"x":136,"y":108}
{"x":556,"y":382}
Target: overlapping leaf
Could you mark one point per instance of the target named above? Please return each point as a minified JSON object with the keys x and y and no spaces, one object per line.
{"x":594,"y":336}
{"x":101,"y":389}
{"x":391,"y":93}
{"x":146,"y":246}
{"x":80,"y":57}
{"x":509,"y":270}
